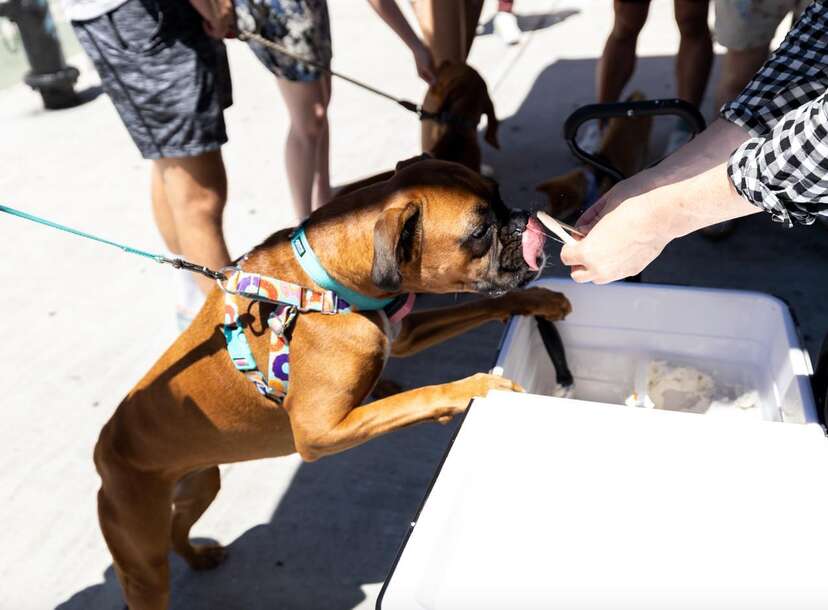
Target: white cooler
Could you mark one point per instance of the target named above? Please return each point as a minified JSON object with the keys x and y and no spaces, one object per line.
{"x":587,"y":504}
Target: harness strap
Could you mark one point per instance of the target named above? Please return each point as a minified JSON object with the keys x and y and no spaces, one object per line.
{"x":290,"y":300}
{"x":279,"y":292}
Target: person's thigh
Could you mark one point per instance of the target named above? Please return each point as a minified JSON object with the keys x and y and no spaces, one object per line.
{"x":167,"y":79}
{"x":749,"y":24}
{"x":629,"y":16}
{"x":448,"y":27}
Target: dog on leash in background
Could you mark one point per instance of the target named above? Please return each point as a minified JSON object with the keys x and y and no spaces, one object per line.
{"x":460,"y":98}
{"x":624,"y":144}
{"x":433,"y":227}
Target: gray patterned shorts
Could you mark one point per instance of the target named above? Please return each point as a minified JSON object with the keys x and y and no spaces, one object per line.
{"x":301,"y":26}
{"x":168,"y":80}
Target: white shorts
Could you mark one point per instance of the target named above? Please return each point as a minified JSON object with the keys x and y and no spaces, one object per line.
{"x":750,"y":24}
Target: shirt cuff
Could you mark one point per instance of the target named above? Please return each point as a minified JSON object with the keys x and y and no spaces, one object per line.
{"x":743,"y":171}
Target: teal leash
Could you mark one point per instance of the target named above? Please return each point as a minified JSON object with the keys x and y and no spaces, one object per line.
{"x":178,"y":263}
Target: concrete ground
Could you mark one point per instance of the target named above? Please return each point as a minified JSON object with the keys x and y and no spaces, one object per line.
{"x":85,"y":321}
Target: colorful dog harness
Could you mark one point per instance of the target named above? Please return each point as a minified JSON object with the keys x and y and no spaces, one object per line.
{"x":290,"y":300}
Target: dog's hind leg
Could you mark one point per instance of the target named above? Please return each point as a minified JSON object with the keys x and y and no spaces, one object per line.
{"x":135,"y":510}
{"x":193,"y":494}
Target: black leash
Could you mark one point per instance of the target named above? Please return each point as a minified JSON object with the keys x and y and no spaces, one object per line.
{"x":425,"y":115}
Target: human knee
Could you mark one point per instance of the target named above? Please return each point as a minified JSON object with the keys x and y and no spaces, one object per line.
{"x":692,"y":19}
{"x":312,"y":123}
{"x":628,"y":23}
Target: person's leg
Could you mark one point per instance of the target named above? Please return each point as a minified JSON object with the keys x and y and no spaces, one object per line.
{"x":322,"y":182}
{"x":306,"y":105}
{"x":161,"y":211}
{"x":443,"y":26}
{"x":617,"y":62}
{"x":738,"y":67}
{"x":195,"y":191}
{"x":695,"y":54}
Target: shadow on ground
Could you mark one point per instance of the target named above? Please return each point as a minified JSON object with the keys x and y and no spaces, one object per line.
{"x":530,"y":22}
{"x":340,"y":523}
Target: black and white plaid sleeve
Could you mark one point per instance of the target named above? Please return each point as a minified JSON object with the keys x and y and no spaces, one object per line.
{"x":783,"y":167}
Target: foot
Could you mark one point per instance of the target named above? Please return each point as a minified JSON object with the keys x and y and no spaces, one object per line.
{"x":678,"y":137}
{"x":506,"y":27}
{"x":589,"y":137}
{"x":205,"y":556}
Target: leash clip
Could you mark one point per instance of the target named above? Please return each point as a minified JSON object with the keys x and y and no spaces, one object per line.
{"x":227,"y":274}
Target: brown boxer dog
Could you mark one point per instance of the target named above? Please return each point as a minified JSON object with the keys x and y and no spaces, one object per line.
{"x":432,"y":227}
{"x":461,"y":96}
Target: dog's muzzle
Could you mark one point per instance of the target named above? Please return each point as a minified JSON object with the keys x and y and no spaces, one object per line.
{"x":522,"y":242}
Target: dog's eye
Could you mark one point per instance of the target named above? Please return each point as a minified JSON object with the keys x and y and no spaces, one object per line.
{"x":481,"y":231}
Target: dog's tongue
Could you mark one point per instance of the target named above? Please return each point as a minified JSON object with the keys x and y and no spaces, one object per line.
{"x":532,"y":241}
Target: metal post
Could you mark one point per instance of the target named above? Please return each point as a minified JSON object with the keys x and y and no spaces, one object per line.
{"x":49,"y":73}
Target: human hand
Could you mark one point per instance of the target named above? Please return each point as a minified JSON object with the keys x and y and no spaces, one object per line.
{"x":624,"y":234}
{"x":424,"y":62}
{"x":219,"y":17}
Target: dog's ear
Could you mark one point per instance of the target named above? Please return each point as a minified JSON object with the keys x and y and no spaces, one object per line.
{"x":396,"y":239}
{"x":406,"y":162}
{"x":491,"y":122}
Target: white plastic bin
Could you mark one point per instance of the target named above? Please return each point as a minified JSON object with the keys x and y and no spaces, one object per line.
{"x":745,"y":341}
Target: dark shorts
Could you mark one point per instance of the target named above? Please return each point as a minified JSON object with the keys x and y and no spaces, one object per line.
{"x":169,"y":81}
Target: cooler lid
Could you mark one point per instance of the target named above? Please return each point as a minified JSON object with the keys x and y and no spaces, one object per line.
{"x":550,"y":503}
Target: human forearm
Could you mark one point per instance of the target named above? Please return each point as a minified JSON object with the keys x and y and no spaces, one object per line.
{"x":710,"y":148}
{"x":705,"y":198}
{"x":393,"y":17}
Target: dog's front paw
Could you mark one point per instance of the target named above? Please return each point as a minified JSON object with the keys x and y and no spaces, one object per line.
{"x":458,"y":394}
{"x":539,"y":301}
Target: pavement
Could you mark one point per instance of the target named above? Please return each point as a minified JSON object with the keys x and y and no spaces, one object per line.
{"x":85,"y":321}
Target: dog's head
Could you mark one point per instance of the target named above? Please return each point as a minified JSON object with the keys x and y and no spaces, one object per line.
{"x":445,"y":228}
{"x":461,"y":94}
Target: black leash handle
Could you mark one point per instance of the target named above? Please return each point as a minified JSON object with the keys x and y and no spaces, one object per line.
{"x":641,"y":108}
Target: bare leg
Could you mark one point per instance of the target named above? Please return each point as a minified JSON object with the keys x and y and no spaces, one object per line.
{"x":193,"y":494}
{"x":695,"y":54}
{"x":195,"y":190}
{"x":617,"y":62}
{"x":308,"y":120}
{"x":448,"y":28}
{"x":322,"y":182}
{"x":162,"y":213}
{"x":738,"y":67}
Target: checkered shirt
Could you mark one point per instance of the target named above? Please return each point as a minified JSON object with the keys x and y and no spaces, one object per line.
{"x":783,"y":167}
